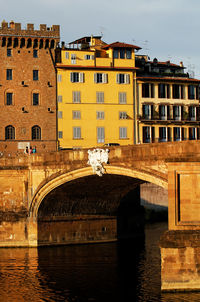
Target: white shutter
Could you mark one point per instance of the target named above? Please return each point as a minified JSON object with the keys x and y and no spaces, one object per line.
{"x":59,"y":98}
{"x":81,"y":77}
{"x":127,"y":78}
{"x":71,"y":77}
{"x":95,"y":77}
{"x":105,"y":78}
{"x":66,"y":55}
{"x":117,"y":79}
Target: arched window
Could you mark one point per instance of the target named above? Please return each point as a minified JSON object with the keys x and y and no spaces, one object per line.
{"x":36,"y":133}
{"x":52,"y":44}
{"x":41,"y":43}
{"x":47,"y":43}
{"x":22,"y":42}
{"x":29,"y":43}
{"x":9,"y":132}
{"x":35,"y":43}
{"x":16,"y":42}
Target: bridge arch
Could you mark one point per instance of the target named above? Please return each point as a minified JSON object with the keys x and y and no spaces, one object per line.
{"x":45,"y":189}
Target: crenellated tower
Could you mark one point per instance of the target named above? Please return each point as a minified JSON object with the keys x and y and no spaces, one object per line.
{"x":28,"y":87}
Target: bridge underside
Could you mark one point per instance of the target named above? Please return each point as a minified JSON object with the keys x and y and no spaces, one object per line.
{"x":91,"y":209}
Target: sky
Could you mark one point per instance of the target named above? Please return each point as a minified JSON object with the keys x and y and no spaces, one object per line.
{"x":164,"y":29}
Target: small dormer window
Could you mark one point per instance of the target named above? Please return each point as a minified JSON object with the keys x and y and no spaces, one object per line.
{"x":128,"y":53}
{"x":122,"y":53}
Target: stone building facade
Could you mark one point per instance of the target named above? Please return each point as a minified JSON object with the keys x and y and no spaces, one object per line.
{"x":28,"y":87}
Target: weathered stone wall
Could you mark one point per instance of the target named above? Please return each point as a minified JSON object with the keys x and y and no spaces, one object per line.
{"x":180,"y":260}
{"x":76,"y":229}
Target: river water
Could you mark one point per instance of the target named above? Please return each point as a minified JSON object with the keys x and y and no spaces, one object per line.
{"x":100,"y":272}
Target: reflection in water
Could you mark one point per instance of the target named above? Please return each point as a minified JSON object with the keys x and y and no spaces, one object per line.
{"x":128,"y":271}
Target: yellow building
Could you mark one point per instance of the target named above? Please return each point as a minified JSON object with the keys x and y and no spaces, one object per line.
{"x":168,"y":102}
{"x":96,"y":93}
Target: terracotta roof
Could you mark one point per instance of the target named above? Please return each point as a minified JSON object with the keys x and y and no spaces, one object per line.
{"x":121,"y":45}
{"x":180,"y":79}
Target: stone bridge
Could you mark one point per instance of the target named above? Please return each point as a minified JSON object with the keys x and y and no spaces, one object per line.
{"x":26,"y":183}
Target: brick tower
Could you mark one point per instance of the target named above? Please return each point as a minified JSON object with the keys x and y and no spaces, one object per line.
{"x":28,"y":87}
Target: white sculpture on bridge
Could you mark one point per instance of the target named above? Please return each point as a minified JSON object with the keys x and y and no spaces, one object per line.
{"x":96,"y":158}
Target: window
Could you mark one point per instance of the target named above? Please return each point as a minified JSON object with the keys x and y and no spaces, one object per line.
{"x":178,"y":91}
{"x":123,"y":78}
{"x":115,"y":53}
{"x":191,"y":92}
{"x":59,"y":77}
{"x":128,"y":53}
{"x":76,"y":77}
{"x":89,"y":57}
{"x":8,"y":74}
{"x":163,"y":112}
{"x":192,"y":113}
{"x":35,"y":99}
{"x":123,"y":115}
{"x":100,"y":115}
{"x":9,"y":132}
{"x":122,"y":53}
{"x":60,"y":114}
{"x":146,"y":134}
{"x":66,"y":55}
{"x":147,"y":90}
{"x":177,"y":134}
{"x":76,"y":96}
{"x":9,"y":52}
{"x":35,"y":75}
{"x":147,"y":111}
{"x":60,"y":134}
{"x":122,"y":97}
{"x":59,"y":98}
{"x":100,"y":134}
{"x":73,"y":58}
{"x":76,"y":115}
{"x":100,"y":97}
{"x":192,"y":133}
{"x":35,"y":53}
{"x":36,"y":133}
{"x":163,"y":91}
{"x":162,"y":134}
{"x":177,"y":112}
{"x":100,"y":78}
{"x":9,"y":98}
{"x":122,"y":132}
{"x":76,"y":132}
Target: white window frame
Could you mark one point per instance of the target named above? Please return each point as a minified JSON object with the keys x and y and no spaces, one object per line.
{"x":76,"y":97}
{"x":76,"y":115}
{"x":100,"y":115}
{"x":60,"y":114}
{"x":73,"y":58}
{"x":100,"y":134}
{"x":100,"y":78}
{"x":76,"y":132}
{"x":123,"y":115}
{"x":122,"y":96}
{"x":100,"y":97}
{"x":122,"y":132}
{"x":59,"y":98}
{"x":59,"y":77}
{"x":60,"y":134}
{"x":77,"y":77}
{"x":125,"y":76}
